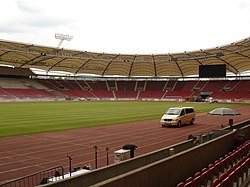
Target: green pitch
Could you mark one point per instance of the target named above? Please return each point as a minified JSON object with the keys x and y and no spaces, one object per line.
{"x":29,"y":118}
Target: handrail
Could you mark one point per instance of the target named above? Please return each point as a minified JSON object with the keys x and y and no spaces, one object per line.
{"x":35,"y":178}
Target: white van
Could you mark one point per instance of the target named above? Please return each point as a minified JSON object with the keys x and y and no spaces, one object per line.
{"x":177,"y":116}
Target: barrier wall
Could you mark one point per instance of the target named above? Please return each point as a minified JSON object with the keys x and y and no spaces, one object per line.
{"x":159,"y":168}
{"x":170,"y":171}
{"x":113,"y":170}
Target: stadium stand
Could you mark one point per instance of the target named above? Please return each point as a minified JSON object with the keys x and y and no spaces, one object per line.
{"x":220,"y":90}
{"x":23,"y":88}
{"x":153,"y":90}
{"x":126,"y":89}
{"x":28,"y":93}
{"x":231,"y":169}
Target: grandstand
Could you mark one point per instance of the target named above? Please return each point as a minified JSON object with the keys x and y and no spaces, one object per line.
{"x":163,"y":77}
{"x":122,"y":77}
{"x":103,"y":89}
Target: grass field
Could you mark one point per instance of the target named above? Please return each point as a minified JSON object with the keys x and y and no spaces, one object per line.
{"x":29,"y":118}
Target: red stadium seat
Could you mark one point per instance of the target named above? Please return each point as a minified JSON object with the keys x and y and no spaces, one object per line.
{"x":189,"y":179}
{"x":225,"y":183}
{"x":203,"y":177}
{"x":223,"y":177}
{"x":215,"y":183}
{"x":211,"y":173}
{"x":196,"y":181}
{"x":188,"y":184}
{"x":197,"y":174}
{"x":181,"y":184}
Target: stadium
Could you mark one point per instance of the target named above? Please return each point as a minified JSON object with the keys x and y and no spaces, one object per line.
{"x":50,"y":119}
{"x":127,"y":77}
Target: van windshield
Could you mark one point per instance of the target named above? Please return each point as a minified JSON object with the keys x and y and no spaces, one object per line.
{"x":173,"y":111}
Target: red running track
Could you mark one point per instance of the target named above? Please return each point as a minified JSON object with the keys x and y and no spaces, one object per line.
{"x":23,"y":155}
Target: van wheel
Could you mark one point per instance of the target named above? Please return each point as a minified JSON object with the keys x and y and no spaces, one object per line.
{"x":179,"y":124}
{"x":192,"y":121}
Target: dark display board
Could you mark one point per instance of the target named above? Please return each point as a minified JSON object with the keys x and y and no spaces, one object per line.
{"x":207,"y":71}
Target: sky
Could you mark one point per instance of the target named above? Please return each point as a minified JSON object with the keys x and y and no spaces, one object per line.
{"x":126,"y":26}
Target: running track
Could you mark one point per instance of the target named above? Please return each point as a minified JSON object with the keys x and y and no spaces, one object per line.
{"x":23,"y":155}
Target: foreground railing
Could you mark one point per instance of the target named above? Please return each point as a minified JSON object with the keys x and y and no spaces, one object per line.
{"x":36,"y":178}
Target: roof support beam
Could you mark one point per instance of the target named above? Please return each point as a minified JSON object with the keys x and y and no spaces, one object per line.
{"x":62,"y":60}
{"x":177,"y":65}
{"x":154,"y":65}
{"x":42,"y":57}
{"x":238,"y":53}
{"x":87,"y":62}
{"x":109,"y":64}
{"x":131,"y":67}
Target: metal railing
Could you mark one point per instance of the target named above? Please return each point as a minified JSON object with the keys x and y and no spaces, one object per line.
{"x":35,"y":179}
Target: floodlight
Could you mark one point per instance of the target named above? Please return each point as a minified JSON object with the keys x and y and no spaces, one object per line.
{"x":63,"y":37}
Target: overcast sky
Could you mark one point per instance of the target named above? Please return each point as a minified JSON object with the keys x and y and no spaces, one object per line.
{"x":126,"y":26}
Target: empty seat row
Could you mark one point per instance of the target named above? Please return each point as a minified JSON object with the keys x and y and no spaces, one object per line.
{"x":235,"y":175}
{"x":229,"y":169}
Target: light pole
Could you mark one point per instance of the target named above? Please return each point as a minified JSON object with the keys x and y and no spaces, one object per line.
{"x":62,"y":37}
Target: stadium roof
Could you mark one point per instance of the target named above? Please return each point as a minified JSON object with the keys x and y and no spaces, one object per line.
{"x":236,"y":56}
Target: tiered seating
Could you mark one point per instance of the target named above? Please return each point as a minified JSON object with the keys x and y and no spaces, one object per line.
{"x":20,"y":83}
{"x":23,"y":88}
{"x":64,"y":84}
{"x":233,"y":95}
{"x":173,"y":89}
{"x":154,"y":89}
{"x":126,"y":94}
{"x":232,"y":168}
{"x":151,"y":94}
{"x":126,"y":89}
{"x":189,"y":85}
{"x":69,"y":88}
{"x":155,"y":85}
{"x":77,"y":93}
{"x":84,"y":85}
{"x":170,"y":85}
{"x":97,"y":85}
{"x":75,"y":85}
{"x":214,"y":86}
{"x":5,"y":94}
{"x":150,"y":89}
{"x":56,"y":84}
{"x":200,"y":85}
{"x":177,"y":94}
{"x":182,"y":89}
{"x":242,"y":86}
{"x":103,"y":94}
{"x":140,"y":85}
{"x":30,"y":93}
{"x":112,"y":85}
{"x":234,"y":90}
{"x":230,"y":84}
{"x":81,"y":89}
{"x":48,"y":84}
{"x":74,"y":89}
{"x":99,"y":89}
